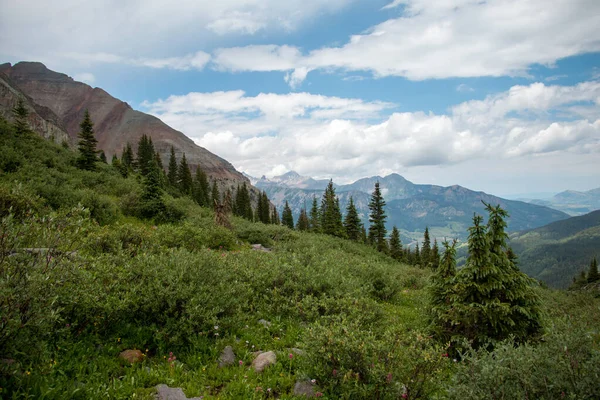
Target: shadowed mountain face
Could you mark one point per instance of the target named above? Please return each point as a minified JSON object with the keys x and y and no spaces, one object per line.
{"x":447,"y":211}
{"x":555,"y":253}
{"x":57,"y":104}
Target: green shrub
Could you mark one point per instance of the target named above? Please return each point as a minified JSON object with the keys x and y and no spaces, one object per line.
{"x":102,"y":208}
{"x":18,"y":201}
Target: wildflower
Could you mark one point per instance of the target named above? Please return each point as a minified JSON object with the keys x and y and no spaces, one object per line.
{"x":313,"y":381}
{"x":258,"y":389}
{"x":241,"y":363}
{"x":291,"y":356}
{"x":216,"y":327}
{"x":404,"y":396}
{"x":445,"y":355}
{"x":269,"y":390}
{"x":217,"y":334}
{"x":388,"y":378}
{"x":335,"y":372}
{"x":318,"y":394}
{"x":455,"y":360}
{"x":27,"y":373}
{"x":119,"y":340}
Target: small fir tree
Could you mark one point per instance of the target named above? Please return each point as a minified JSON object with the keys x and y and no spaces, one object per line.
{"x":265,"y":209}
{"x":331,"y":216}
{"x":145,"y":155}
{"x":201,"y":188}
{"x":441,"y":294}
{"x":395,"y":244}
{"x":184,"y":177}
{"x":172,"y":174}
{"x":377,"y":219}
{"x":426,"y":249}
{"x":87,"y":144}
{"x":286,"y":216}
{"x":593,"y":272}
{"x":275,"y":220}
{"x":303,"y":224}
{"x":435,"y":255}
{"x":20,"y":115}
{"x":315,"y":217}
{"x":151,"y":200}
{"x":102,"y":157}
{"x":127,"y":157}
{"x":352,"y":223}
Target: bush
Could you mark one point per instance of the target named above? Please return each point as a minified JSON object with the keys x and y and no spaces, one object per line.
{"x":18,"y":201}
{"x":102,"y":208}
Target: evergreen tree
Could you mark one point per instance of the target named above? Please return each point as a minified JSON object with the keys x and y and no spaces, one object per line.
{"x":331,"y":216}
{"x":102,"y":157}
{"x":265,"y":213}
{"x":275,"y":220}
{"x":145,"y":155}
{"x":20,"y":115}
{"x":441,"y":294}
{"x":417,"y":256}
{"x":302,"y":224}
{"x":395,"y":244}
{"x":363,"y":234}
{"x":352,"y":223}
{"x":127,"y":157}
{"x":161,"y":170}
{"x":201,"y":188}
{"x":184,"y":177}
{"x":243,"y":207}
{"x":593,"y":272}
{"x":426,"y":249}
{"x":315,"y":217}
{"x":215,"y":197}
{"x":87,"y":144}
{"x":116,"y":163}
{"x":435,"y":255}
{"x":377,"y":219}
{"x":228,"y":202}
{"x":286,"y":216}
{"x":172,"y":174}
{"x":151,"y":201}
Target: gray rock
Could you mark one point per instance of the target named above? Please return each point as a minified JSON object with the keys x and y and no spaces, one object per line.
{"x":163,"y":392}
{"x":264,"y":323}
{"x":263,"y":360}
{"x":298,"y":352}
{"x":304,"y":388}
{"x":260,"y":247}
{"x":227,"y":357}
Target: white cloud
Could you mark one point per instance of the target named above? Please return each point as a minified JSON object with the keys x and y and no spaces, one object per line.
{"x":86,"y":77}
{"x":330,"y":136}
{"x":465,"y":38}
{"x":190,"y":61}
{"x":463,"y":87}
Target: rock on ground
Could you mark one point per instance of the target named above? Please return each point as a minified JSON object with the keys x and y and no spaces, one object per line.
{"x":132,"y":356}
{"x":227,"y":357}
{"x":304,"y":388}
{"x":163,"y":392}
{"x":263,"y":360}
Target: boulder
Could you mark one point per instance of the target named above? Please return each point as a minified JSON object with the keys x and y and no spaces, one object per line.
{"x":304,"y":388}
{"x":227,"y":357}
{"x":264,"y":323}
{"x":132,"y":356}
{"x":163,"y":392}
{"x":263,"y":360}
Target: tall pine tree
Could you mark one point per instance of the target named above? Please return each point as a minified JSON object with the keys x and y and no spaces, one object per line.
{"x":184,"y":177}
{"x":352,"y":223}
{"x":20,"y":115}
{"x":331,"y":216}
{"x":201,"y":188}
{"x":127,"y":157}
{"x":287,"y":219}
{"x":426,"y":249}
{"x":151,"y":204}
{"x":302,"y":224}
{"x":441,"y":294}
{"x":377,"y":219}
{"x":87,"y":144}
{"x":315,"y":217}
{"x":593,"y":272}
{"x":172,"y":174}
{"x":215,"y":196}
{"x":145,"y":155}
{"x":395,"y":244}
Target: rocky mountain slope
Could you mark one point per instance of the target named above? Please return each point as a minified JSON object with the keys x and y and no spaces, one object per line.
{"x":573,"y":202}
{"x":555,"y":253}
{"x":447,"y":211}
{"x":57,"y":103}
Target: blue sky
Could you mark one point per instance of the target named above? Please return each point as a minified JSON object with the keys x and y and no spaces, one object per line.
{"x":501,"y":96}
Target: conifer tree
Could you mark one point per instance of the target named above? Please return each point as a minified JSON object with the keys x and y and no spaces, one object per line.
{"x":201,"y":188}
{"x":441,"y":294}
{"x":127,"y":157}
{"x":266,"y":213}
{"x":331,"y":216}
{"x":161,"y":170}
{"x":215,"y":196}
{"x":102,"y":157}
{"x":395,"y":244}
{"x":145,"y":155}
{"x":151,"y":200}
{"x":87,"y":144}
{"x":352,"y":223}
{"x":243,"y":208}
{"x":228,"y":202}
{"x":302,"y":224}
{"x":315,"y":217}
{"x":377,"y":219}
{"x":20,"y":115}
{"x":417,"y":256}
{"x":172,"y":174}
{"x":593,"y":272}
{"x":286,"y":216}
{"x":275,"y":220}
{"x":435,"y":255}
{"x":426,"y":249}
{"x":363,"y":234}
{"x":184,"y":177}
{"x":116,"y":163}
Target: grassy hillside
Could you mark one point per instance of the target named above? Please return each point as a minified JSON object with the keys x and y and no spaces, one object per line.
{"x":83,"y":279}
{"x":557,"y":252}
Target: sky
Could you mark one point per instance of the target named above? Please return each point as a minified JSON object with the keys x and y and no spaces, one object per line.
{"x":500,"y":96}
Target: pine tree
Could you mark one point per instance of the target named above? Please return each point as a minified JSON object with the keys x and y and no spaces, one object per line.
{"x":286,"y":216}
{"x":426,"y":249}
{"x":363,"y":234}
{"x":593,"y":272}
{"x":184,"y":177}
{"x":331,"y":216}
{"x":352,"y":223}
{"x":215,"y":196}
{"x":151,"y":201}
{"x":87,"y":144}
{"x":417,"y":256}
{"x":20,"y":115}
{"x":441,"y":293}
{"x":172,"y":174}
{"x":275,"y":220}
{"x":302,"y":224}
{"x":201,"y":188}
{"x":102,"y":157}
{"x":145,"y":155}
{"x":315,"y":217}
{"x":377,"y":219}
{"x":395,"y":244}
{"x":243,"y":207}
{"x":265,"y":207}
{"x":127,"y":157}
{"x":161,"y":170}
{"x":435,"y":255}
{"x":228,"y":202}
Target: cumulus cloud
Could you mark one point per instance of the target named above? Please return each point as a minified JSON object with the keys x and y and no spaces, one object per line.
{"x":350,"y":138}
{"x":86,"y":77}
{"x":185,"y":63}
{"x":463,"y":38}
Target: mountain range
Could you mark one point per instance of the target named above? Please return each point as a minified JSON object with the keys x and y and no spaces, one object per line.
{"x":572,"y":202}
{"x":447,"y":211}
{"x":57,"y":103}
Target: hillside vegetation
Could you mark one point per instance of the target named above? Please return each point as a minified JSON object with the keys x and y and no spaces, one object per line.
{"x":83,"y":278}
{"x":557,"y":252}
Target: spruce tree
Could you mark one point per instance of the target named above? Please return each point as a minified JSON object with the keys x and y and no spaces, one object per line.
{"x":102,"y":157}
{"x":417,"y":256}
{"x":435,"y":255}
{"x":315,"y":217}
{"x":377,"y":219}
{"x":20,"y":115}
{"x":184,"y":177}
{"x":201,"y":188}
{"x":302,"y":224}
{"x":363,"y":234}
{"x":286,"y":216}
{"x":265,"y":213}
{"x":352,"y":223}
{"x":593,"y":272}
{"x":331,"y":216}
{"x":151,"y":204}
{"x":87,"y":144}
{"x":395,"y":244}
{"x":441,"y":294}
{"x":215,"y":197}
{"x":426,"y":249}
{"x":275,"y":220}
{"x":145,"y":155}
{"x":172,"y":174}
{"x":127,"y":157}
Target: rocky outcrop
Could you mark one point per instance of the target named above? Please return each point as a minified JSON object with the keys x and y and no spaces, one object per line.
{"x":57,"y":104}
{"x":263,"y":360}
